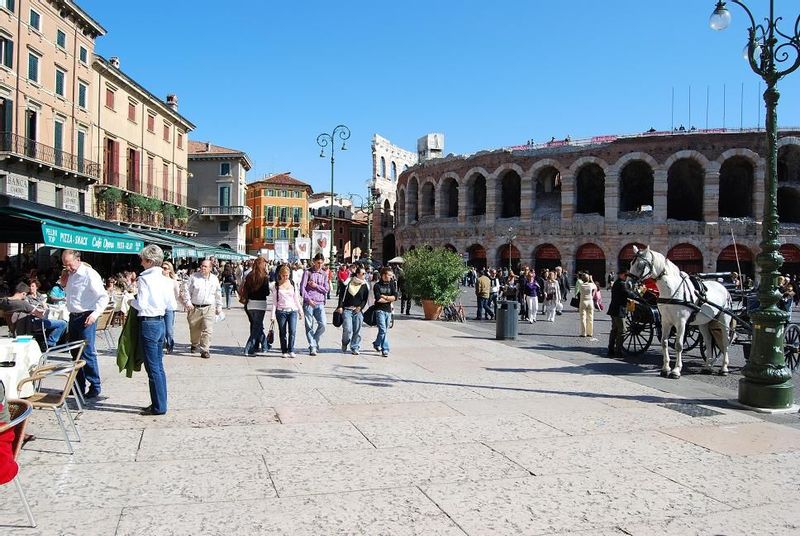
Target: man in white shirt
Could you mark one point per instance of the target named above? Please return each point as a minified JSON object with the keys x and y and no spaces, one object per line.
{"x":86,"y":300}
{"x":155,"y":294}
{"x":203,"y":301}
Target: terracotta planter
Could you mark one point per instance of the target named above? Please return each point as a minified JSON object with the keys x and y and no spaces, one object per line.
{"x":431,"y":310}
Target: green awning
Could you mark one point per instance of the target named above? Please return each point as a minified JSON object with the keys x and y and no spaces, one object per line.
{"x":67,"y":236}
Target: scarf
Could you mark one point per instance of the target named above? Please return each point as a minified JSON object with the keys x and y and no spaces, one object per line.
{"x":354,"y":285}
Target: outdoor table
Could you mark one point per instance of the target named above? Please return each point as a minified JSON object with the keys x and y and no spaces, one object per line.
{"x":26,"y":355}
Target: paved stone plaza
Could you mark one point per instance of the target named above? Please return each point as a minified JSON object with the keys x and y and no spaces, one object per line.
{"x":455,"y":433}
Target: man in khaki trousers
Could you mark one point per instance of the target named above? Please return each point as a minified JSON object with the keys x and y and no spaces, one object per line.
{"x":203,"y":300}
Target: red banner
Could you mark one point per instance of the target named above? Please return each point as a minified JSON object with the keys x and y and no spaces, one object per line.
{"x":685,"y":252}
{"x":730,"y":253}
{"x":790,"y":252}
{"x":590,"y":252}
{"x":626,"y":254}
{"x":548,"y":252}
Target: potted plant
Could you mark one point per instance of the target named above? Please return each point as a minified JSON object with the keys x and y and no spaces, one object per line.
{"x":109,"y":200}
{"x":434,"y":277}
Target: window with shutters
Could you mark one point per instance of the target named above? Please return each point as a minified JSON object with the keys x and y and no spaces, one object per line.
{"x":61,"y":39}
{"x":225,"y":169}
{"x":131,"y":111}
{"x":35,"y":20}
{"x":33,"y":67}
{"x":60,"y":79}
{"x":109,"y":98}
{"x":7,"y":4}
{"x":282,"y":233}
{"x":270,"y":235}
{"x":167,"y":127}
{"x":83,"y":93}
{"x":269,"y":214}
{"x":180,"y":140}
{"x":83,"y":54}
{"x":151,"y":122}
{"x":296,"y":215}
{"x":6,"y":51}
{"x":283,"y":214}
{"x":165,"y":182}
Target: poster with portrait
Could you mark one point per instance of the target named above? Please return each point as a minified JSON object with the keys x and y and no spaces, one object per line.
{"x":321,"y":243}
{"x":282,"y":250}
{"x":302,"y":248}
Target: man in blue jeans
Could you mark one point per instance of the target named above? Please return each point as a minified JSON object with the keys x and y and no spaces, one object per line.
{"x":314,"y":288}
{"x":29,"y":319}
{"x":86,"y":300}
{"x":155,"y":294}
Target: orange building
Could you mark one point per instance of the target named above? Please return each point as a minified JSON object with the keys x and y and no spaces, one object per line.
{"x":280,"y":211}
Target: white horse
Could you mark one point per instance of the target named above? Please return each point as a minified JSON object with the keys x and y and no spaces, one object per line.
{"x":678,"y":301}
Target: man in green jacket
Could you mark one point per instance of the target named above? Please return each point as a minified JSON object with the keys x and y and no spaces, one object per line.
{"x":483,"y":290}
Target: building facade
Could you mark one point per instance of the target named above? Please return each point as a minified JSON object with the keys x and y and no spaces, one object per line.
{"x":217,"y":189}
{"x":279,"y":205}
{"x":46,"y":113}
{"x":388,"y":162}
{"x":143,"y":147}
{"x":696,"y":196}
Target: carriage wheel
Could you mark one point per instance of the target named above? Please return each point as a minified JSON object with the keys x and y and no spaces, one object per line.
{"x":791,"y":346}
{"x":637,"y":336}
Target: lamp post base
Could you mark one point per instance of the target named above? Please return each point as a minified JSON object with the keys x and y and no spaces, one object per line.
{"x":766,"y":397}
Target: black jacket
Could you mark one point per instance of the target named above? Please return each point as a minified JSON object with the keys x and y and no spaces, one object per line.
{"x":620,"y":292}
{"x":347,"y":300}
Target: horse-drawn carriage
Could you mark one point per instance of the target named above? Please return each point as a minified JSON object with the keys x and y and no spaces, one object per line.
{"x":643,"y":325}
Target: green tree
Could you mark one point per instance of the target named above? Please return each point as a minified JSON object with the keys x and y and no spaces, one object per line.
{"x":434,"y":274}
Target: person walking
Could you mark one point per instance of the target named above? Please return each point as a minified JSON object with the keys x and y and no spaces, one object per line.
{"x":552,"y":297}
{"x":483,"y":289}
{"x":386,"y":293}
{"x":314,"y":289}
{"x":86,"y":300}
{"x":531,"y":290}
{"x":564,"y":287}
{"x":286,"y":307}
{"x":228,"y":281}
{"x":404,"y":288}
{"x":585,"y":290}
{"x":203,"y":301}
{"x":494,"y":288}
{"x":353,"y":295}
{"x":617,"y":310}
{"x":253,"y":294}
{"x":169,"y":315}
{"x":155,"y":295}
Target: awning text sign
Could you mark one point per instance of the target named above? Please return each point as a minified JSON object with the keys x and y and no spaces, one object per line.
{"x":84,"y":239}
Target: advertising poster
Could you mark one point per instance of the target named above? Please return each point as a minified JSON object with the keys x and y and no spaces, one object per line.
{"x":302,"y":248}
{"x":321,"y":243}
{"x":282,"y":250}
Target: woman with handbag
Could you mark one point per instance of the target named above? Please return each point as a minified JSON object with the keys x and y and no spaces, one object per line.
{"x":552,"y":297}
{"x":353,"y":296}
{"x":253,"y":295}
{"x":286,"y":309}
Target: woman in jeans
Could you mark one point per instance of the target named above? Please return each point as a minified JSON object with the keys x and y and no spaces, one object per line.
{"x":253,"y":294}
{"x":286,"y":309}
{"x":228,"y":280}
{"x":552,"y":297}
{"x":353,"y":296}
{"x":385,"y":291}
{"x":169,"y":315}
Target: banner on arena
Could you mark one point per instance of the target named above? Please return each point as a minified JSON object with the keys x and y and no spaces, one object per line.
{"x":302,"y":248}
{"x":321,"y":243}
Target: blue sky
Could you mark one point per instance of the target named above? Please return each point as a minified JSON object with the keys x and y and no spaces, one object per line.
{"x":267,"y":77}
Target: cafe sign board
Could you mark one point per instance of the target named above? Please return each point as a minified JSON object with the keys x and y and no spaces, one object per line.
{"x":62,"y":235}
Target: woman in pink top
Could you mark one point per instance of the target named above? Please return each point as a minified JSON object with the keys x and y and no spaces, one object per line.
{"x":286,"y":309}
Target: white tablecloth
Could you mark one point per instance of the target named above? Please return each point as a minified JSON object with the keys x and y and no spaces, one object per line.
{"x":122,"y":302}
{"x":27,"y":355}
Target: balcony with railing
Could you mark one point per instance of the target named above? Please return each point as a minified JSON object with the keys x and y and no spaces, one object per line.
{"x":243,"y":212}
{"x":137,"y":185}
{"x":44,"y":154}
{"x":134,"y":216}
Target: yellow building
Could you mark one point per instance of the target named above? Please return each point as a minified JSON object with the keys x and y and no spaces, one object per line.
{"x":280,"y":211}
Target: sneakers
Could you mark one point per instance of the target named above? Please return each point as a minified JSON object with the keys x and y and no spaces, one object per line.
{"x":192,"y":349}
{"x":385,"y":353}
{"x":344,"y":347}
{"x":205,"y":355}
{"x":292,"y":355}
{"x":311,"y":352}
{"x":284,"y":355}
{"x":354,"y":352}
{"x":376,"y":347}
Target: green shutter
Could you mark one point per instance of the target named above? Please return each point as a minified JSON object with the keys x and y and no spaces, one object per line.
{"x":8,"y":59}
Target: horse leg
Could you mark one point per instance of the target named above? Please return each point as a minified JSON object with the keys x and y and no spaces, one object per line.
{"x":665,"y":329}
{"x":680,"y":331}
{"x":725,"y":344}
{"x":708,"y":342}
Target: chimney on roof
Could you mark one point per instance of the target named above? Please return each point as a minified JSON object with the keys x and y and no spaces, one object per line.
{"x":114,"y":61}
{"x":172,"y":102}
{"x":208,"y":146}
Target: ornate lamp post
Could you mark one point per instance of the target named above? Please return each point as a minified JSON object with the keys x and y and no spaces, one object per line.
{"x":511,"y":236}
{"x":368,"y":206}
{"x":767,"y":381}
{"x":323,"y":140}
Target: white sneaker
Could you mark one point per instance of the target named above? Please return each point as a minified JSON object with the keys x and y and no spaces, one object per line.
{"x":293,"y":355}
{"x":284,"y":355}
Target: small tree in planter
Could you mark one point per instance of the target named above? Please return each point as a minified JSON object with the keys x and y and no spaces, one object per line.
{"x":169,"y":211}
{"x":434,"y":277}
{"x":109,"y":198}
{"x":137,"y":203}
